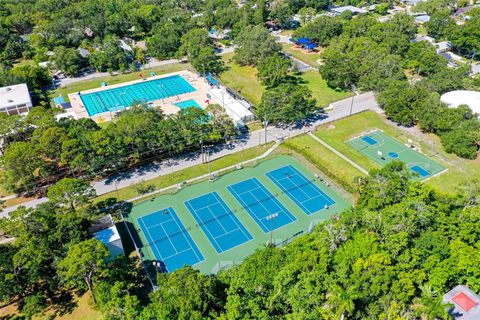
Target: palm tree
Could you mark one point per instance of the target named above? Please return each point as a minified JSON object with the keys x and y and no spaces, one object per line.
{"x":341,"y":300}
{"x":430,"y":306}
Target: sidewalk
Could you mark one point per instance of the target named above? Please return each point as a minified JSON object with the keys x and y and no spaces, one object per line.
{"x":340,"y":109}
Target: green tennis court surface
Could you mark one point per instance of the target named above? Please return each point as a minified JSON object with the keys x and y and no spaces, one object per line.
{"x":383,"y":149}
{"x":213,"y":225}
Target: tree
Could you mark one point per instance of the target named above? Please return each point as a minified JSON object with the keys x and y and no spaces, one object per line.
{"x":164,"y":42}
{"x":430,"y":306}
{"x":83,"y":262}
{"x":273,"y":70}
{"x":71,"y":192}
{"x":307,"y":14}
{"x":222,"y":125}
{"x":68,"y":60}
{"x":286,"y":104}
{"x":192,"y":43}
{"x":440,"y":26}
{"x":466,"y":39}
{"x":207,"y":61}
{"x":320,"y":31}
{"x":342,"y":301}
{"x":253,"y":44}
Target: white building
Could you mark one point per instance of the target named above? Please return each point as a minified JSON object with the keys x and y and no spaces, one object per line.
{"x":236,"y":109}
{"x":459,"y":97}
{"x":465,"y":303}
{"x":15,"y":99}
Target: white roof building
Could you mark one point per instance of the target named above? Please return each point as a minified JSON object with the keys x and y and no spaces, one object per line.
{"x":237,"y":110}
{"x":465,"y":303}
{"x":15,"y":99}
{"x":111,"y":238}
{"x":352,"y":9}
{"x":459,"y":97}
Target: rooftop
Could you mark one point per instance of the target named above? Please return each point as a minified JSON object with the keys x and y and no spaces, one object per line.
{"x":460,"y":97}
{"x":348,"y":8}
{"x":466,"y":304}
{"x":14,"y":95}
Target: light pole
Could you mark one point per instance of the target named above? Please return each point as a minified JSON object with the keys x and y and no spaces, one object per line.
{"x":265,"y":125}
{"x":271,"y":219}
{"x":353,"y":96}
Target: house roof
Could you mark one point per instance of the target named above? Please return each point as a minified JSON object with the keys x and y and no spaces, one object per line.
{"x":348,"y":8}
{"x":14,"y":95}
{"x":107,"y":236}
{"x":466,"y":304}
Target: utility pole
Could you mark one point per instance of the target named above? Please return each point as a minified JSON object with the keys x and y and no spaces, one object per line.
{"x":353,"y":96}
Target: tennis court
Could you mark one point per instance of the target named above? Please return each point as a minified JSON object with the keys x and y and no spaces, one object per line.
{"x":220,"y":225}
{"x":261,"y":205}
{"x":307,"y":195}
{"x":169,"y":240}
{"x":383,"y":149}
{"x":119,"y":98}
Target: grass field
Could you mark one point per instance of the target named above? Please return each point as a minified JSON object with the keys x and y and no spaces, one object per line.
{"x":459,"y":170}
{"x":244,"y":80}
{"x":309,"y":58}
{"x":83,"y":310}
{"x":212,"y":256}
{"x":320,"y":90}
{"x":95,"y":83}
{"x":189,"y":173}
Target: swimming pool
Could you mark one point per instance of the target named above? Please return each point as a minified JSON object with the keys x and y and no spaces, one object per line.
{"x":122,"y":97}
{"x":187,"y":104}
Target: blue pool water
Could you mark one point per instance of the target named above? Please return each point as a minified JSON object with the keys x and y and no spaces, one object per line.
{"x":120,"y":98}
{"x":187,"y":104}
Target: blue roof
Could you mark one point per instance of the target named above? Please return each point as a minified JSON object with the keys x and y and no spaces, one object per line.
{"x":303,"y":41}
{"x":311,"y":46}
{"x":58,"y":100}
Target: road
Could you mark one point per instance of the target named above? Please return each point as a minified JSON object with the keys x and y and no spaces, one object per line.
{"x":338,"y":110}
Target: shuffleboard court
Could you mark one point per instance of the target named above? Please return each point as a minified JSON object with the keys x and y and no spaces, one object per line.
{"x":220,"y":225}
{"x":383,"y":149}
{"x":169,"y":240}
{"x":261,"y":205}
{"x":308,"y":196}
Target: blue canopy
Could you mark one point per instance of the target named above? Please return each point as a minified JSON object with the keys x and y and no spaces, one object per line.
{"x":303,"y":41}
{"x":311,"y":46}
{"x":212,"y":80}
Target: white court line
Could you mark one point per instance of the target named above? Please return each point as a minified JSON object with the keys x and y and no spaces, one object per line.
{"x":189,"y":243}
{"x":235,"y":219}
{"x":151,"y":238}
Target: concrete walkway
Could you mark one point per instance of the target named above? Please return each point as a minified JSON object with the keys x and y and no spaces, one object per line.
{"x":329,"y":147}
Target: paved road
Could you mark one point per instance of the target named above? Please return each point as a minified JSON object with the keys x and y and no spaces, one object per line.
{"x":339,"y":109}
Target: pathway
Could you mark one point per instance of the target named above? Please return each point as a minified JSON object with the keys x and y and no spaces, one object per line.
{"x":339,"y":110}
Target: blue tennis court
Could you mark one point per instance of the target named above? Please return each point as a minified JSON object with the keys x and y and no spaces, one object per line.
{"x":220,"y":225}
{"x":169,"y":240}
{"x":261,"y":205}
{"x":119,"y":98}
{"x":308,"y":196}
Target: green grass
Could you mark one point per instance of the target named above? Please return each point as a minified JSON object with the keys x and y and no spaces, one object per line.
{"x":459,"y":170}
{"x":236,"y":254}
{"x":188,"y":173}
{"x":95,"y":83}
{"x":254,"y":126}
{"x":309,"y":58}
{"x":242,"y":79}
{"x":320,"y":90}
{"x":325,"y":160}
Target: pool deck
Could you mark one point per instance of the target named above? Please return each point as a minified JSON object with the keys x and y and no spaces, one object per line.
{"x":167,"y":105}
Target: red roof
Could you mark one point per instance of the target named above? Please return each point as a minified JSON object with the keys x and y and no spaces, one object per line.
{"x":464,"y":301}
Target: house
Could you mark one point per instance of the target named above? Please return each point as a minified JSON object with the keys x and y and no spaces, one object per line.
{"x":354,"y":10}
{"x":421,"y":19}
{"x":84,"y":53}
{"x":15,"y":99}
{"x":122,"y":44}
{"x":443,"y":46}
{"x":218,"y":35}
{"x":451,"y":62}
{"x":466,"y":304}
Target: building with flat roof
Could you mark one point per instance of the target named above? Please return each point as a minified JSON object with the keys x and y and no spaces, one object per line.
{"x":465,"y":303}
{"x":106,"y":232}
{"x":352,"y":9}
{"x":462,"y":97}
{"x":15,"y":99}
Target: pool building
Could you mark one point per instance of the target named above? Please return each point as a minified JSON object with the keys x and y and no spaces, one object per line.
{"x":170,"y":92}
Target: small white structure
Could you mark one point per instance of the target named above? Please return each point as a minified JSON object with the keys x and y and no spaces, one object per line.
{"x":111,"y":238}
{"x":237,"y":110}
{"x":15,"y":99}
{"x":352,"y":9}
{"x":459,"y":97}
{"x":422,"y":19}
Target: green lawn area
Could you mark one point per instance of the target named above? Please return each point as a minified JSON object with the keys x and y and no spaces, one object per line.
{"x":320,"y":90}
{"x":95,"y":83}
{"x":308,"y":58}
{"x":185,"y":174}
{"x":325,"y":160}
{"x":459,"y":170}
{"x":242,"y":79}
